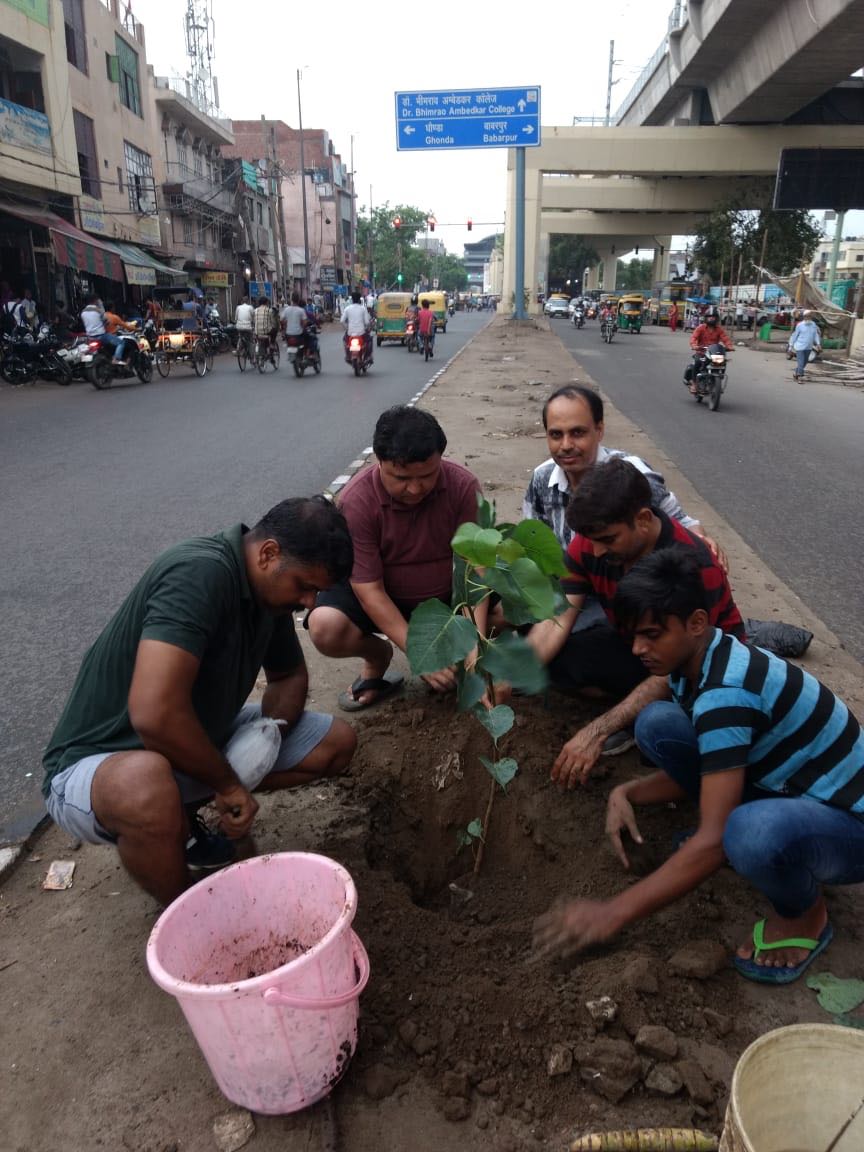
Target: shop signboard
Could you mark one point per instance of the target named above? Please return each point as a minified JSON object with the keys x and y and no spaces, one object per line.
{"x":328,"y":275}
{"x":22,"y":127}
{"x":135,"y":274}
{"x":92,"y":215}
{"x":215,"y":279}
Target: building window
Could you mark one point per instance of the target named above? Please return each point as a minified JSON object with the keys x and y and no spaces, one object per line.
{"x":260,"y":213}
{"x":76,"y":39}
{"x":88,"y":164}
{"x":188,"y":233}
{"x":139,"y":180}
{"x":182,"y":157}
{"x":127,"y":63}
{"x":197,"y":162}
{"x":860,"y":259}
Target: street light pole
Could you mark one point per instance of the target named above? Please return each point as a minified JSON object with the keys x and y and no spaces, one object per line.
{"x":307,"y":269}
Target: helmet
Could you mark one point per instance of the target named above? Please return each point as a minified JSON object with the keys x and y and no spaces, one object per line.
{"x":712,"y":316}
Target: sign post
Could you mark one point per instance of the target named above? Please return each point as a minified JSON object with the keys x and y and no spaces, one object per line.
{"x":476,"y":118}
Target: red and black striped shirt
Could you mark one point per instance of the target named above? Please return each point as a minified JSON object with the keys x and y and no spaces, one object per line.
{"x":597,"y":576}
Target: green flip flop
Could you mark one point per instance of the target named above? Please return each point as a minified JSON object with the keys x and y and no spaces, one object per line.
{"x":762,"y":975}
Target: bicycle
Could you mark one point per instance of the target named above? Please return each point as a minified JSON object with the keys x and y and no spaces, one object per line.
{"x":266,"y":353}
{"x":245,"y":350}
{"x":426,"y":339}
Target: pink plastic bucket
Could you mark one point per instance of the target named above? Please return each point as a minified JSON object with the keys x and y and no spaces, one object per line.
{"x":263,"y":962}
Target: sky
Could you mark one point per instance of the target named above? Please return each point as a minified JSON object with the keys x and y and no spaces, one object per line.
{"x":349,"y":79}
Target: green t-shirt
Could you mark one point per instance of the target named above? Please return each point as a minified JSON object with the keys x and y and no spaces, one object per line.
{"x":195,"y":596}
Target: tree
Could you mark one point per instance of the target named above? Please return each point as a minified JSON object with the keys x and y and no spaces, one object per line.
{"x":569,"y":256}
{"x":395,"y":250}
{"x":635,"y":276}
{"x":732,"y":238}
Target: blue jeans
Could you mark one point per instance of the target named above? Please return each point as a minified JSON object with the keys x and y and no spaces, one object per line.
{"x":802,"y":355}
{"x":111,"y":341}
{"x":786,"y":846}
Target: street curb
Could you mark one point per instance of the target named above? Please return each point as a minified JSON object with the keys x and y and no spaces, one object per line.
{"x":335,"y":486}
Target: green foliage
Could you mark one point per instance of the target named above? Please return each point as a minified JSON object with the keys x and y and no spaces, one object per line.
{"x":438,"y":638}
{"x":395,"y":250}
{"x":510,"y":658}
{"x":502,"y":771}
{"x":733,"y":235}
{"x":467,"y":836}
{"x":569,"y":256}
{"x":497,"y":721}
{"x":635,"y":276}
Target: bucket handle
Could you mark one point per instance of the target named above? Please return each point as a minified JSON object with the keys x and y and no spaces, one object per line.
{"x":278,"y":999}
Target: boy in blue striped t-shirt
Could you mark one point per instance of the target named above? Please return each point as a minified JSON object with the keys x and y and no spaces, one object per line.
{"x":775,"y":760}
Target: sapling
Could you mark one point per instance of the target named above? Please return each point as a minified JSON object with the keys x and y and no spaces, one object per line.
{"x":521,"y":564}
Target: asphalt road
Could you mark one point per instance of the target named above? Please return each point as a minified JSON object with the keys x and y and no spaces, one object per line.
{"x":94,"y":484}
{"x":783,"y":463}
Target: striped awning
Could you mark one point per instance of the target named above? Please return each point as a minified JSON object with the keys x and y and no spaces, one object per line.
{"x":141,"y":267}
{"x":72,"y":247}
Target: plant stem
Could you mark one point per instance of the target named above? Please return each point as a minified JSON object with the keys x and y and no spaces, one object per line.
{"x":478,"y":860}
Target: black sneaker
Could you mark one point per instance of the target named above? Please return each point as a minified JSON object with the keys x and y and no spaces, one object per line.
{"x":206,"y":850}
{"x":618,"y":742}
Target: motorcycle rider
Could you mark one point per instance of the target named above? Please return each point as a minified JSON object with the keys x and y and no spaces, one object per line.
{"x":357,"y":321}
{"x":294,"y":320}
{"x":93,"y":318}
{"x":709,"y":332}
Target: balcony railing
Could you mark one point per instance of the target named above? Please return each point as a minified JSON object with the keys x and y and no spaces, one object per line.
{"x":186,"y":191}
{"x":678,"y":18}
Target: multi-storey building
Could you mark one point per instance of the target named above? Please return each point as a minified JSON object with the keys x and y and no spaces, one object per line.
{"x":329,"y":198}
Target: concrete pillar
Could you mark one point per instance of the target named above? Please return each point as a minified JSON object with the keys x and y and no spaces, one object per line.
{"x":661,"y":259}
{"x":592,"y":279}
{"x":535,"y":261}
{"x":610,"y":270}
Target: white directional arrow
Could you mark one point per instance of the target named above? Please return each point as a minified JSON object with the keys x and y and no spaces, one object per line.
{"x":521,"y":105}
{"x":528,"y":128}
{"x":408,"y":130}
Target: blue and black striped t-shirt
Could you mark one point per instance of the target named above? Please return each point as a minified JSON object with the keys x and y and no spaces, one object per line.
{"x":793,"y":734}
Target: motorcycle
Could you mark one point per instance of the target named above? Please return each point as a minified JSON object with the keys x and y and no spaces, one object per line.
{"x":26,"y":356}
{"x":608,"y":328}
{"x":709,"y":375}
{"x":358,"y":353}
{"x":411,"y":336}
{"x":301,"y":356}
{"x":102,"y":369}
{"x":579,"y":318}
{"x":218,"y":336}
{"x":73,"y":354}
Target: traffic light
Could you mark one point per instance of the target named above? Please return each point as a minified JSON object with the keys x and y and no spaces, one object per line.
{"x":431,"y":224}
{"x":398,"y":277}
{"x":397,"y":221}
{"x":470,"y":224}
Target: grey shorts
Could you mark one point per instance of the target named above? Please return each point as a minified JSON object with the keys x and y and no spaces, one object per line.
{"x":70,"y":807}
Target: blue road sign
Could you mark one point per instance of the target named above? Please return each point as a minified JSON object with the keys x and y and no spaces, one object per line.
{"x":468,"y":118}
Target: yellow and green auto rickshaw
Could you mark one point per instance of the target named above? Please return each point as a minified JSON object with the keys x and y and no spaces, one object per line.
{"x":390,"y":312}
{"x":630,"y":313}
{"x":438,"y":304}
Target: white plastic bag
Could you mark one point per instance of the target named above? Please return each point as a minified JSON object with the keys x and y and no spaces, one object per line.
{"x":253,"y":749}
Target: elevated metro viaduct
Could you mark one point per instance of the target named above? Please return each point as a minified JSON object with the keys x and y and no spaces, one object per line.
{"x":626,"y":185}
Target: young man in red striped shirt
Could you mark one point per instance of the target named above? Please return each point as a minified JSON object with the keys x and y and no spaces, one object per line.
{"x":615,"y":526}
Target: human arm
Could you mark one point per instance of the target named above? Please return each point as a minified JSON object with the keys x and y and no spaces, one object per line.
{"x":576,"y":924}
{"x":285,"y":696}
{"x":578,"y":756}
{"x":658,"y":788}
{"x":161,"y":712}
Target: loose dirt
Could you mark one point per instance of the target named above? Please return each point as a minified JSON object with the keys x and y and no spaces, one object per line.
{"x":466,"y":1041}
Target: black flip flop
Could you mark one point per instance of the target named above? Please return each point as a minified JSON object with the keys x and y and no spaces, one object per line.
{"x":383,"y":686}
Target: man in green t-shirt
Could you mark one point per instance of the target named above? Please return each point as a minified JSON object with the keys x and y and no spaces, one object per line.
{"x":139,"y":746}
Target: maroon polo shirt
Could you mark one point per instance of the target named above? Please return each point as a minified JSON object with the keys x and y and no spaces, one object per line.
{"x":408,"y":546}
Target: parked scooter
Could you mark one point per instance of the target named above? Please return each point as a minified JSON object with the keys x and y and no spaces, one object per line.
{"x":102,"y":369}
{"x":358,"y":353}
{"x":709,"y":375}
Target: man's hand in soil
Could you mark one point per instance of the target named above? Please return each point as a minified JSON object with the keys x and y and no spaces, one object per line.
{"x":238,"y":808}
{"x":443,"y":681}
{"x":578,"y":757}
{"x":620,"y":815}
{"x":570,"y":927}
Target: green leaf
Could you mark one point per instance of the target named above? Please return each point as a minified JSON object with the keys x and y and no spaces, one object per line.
{"x":502,"y":770}
{"x":469,"y":688}
{"x":463,"y":838}
{"x":836,"y":995}
{"x":466,"y":589}
{"x":497,"y":721}
{"x":475,"y":829}
{"x":475,"y":544}
{"x":485,"y":512}
{"x":438,"y":638}
{"x":541,"y":545}
{"x":526,"y":592}
{"x":510,"y":550}
{"x":510,"y":658}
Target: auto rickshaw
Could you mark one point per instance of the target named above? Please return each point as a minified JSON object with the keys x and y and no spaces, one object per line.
{"x":630,"y":313}
{"x":390,"y":312}
{"x":438,"y":304}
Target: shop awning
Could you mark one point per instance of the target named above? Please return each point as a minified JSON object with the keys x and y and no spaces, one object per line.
{"x":72,"y":247}
{"x":141,"y":268}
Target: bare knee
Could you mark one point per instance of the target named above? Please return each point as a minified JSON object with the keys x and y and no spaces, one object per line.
{"x":135,"y":792}
{"x":342,"y":739}
{"x":332,"y":632}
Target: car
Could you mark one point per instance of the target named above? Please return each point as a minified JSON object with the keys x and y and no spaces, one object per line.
{"x":556,"y":306}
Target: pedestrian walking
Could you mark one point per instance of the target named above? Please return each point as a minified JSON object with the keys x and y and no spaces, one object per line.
{"x":805,"y":339}
{"x":673,"y":317}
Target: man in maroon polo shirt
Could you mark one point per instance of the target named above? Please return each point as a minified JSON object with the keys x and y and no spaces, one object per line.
{"x":402,"y":513}
{"x":615,"y":526}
